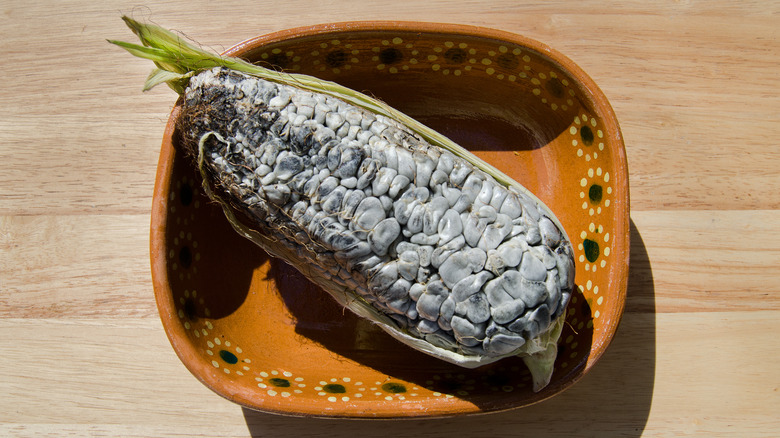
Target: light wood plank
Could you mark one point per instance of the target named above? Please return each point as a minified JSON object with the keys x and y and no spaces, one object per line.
{"x":692,"y":373}
{"x":98,"y":265}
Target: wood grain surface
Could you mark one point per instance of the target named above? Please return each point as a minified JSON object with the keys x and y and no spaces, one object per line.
{"x":695,"y":88}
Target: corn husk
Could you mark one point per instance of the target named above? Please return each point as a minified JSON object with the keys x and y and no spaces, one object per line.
{"x":177,"y":60}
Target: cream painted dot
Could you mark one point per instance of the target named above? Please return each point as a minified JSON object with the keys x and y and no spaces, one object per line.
{"x":583,"y":182}
{"x":601,"y":146}
{"x":197,"y":333}
{"x":575,"y":143}
{"x":598,"y":210}
{"x":593,"y":122}
{"x":472,"y":51}
{"x":210,"y":344}
{"x":397,"y":40}
{"x":606,"y":251}
{"x":606,"y":177}
{"x":346,"y":379}
{"x":600,"y":300}
{"x":577,"y":121}
{"x":554,"y":106}
{"x":263,"y":373}
{"x":413,"y":61}
{"x":215,"y":363}
{"x":435,"y":67}
{"x":380,"y":67}
{"x":345,"y":398}
{"x":606,"y":203}
{"x":591,"y":212}
{"x":592,"y":227}
{"x":246,"y":368}
{"x":227,"y":371}
{"x":239,"y":350}
{"x":262,"y":385}
{"x":585,"y":205}
{"x":600,"y":133}
{"x":587,"y":266}
{"x":583,"y":235}
{"x":457,"y":72}
{"x":486,"y":61}
{"x":535,"y":81}
{"x":587,"y":157}
{"x":596,"y":314}
{"x":580,"y":247}
{"x":588,"y":285}
{"x":393,"y":70}
{"x":490,"y":70}
{"x":609,"y":190}
{"x":573,"y":130}
{"x":332,"y":399}
{"x":582,"y":258}
{"x":437,"y":49}
{"x":432,"y":57}
{"x":590,"y":172}
{"x":209,"y":352}
{"x":285,"y":394}
{"x":537,"y":91}
{"x":217,"y":341}
{"x":287,"y":374}
{"x":603,"y":263}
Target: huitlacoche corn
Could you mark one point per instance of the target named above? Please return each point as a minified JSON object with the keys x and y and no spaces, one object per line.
{"x":378,"y":216}
{"x":394,"y":220}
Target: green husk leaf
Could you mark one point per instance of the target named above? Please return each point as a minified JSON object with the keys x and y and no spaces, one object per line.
{"x":174,"y":80}
{"x":542,"y":363}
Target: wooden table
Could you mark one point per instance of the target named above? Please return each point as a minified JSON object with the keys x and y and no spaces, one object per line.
{"x":695,"y":87}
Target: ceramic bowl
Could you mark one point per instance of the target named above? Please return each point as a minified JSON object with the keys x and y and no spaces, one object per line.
{"x":256,"y":332}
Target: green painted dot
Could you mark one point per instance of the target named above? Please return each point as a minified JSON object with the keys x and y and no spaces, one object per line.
{"x":185,"y":195}
{"x":394,"y":388}
{"x":336,"y":58}
{"x":587,"y":135}
{"x":228,"y":356}
{"x":555,"y":87}
{"x":498,"y":380}
{"x":595,"y":193}
{"x":334,"y":388}
{"x":280,"y":383}
{"x":591,"y":248}
{"x":185,"y":257}
{"x":390,"y":56}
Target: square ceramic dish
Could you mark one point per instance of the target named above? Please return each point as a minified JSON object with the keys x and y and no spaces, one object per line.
{"x":256,"y":332}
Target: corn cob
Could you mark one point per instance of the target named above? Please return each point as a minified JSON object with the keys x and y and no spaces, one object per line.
{"x":395,"y":222}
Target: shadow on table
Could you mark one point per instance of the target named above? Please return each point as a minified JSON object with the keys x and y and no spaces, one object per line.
{"x":613,"y":400}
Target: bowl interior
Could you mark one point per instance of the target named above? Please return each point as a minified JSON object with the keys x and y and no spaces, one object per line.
{"x":258,"y":333}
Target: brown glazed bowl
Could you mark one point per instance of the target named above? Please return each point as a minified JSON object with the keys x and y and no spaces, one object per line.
{"x":258,"y":333}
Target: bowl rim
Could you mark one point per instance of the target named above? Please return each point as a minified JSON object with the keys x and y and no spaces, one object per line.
{"x":590,"y":91}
